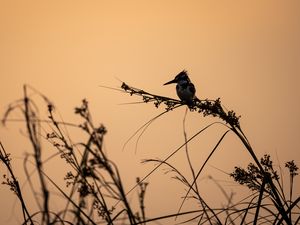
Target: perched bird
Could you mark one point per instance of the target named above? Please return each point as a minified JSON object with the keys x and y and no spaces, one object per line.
{"x":185,"y":88}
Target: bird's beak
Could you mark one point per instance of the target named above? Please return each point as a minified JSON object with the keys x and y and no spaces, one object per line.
{"x":170,"y":82}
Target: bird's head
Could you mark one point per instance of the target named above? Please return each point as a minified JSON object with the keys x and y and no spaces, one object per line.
{"x":181,"y":77}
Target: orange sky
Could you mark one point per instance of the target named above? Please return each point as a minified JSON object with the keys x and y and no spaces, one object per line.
{"x":247,"y":53}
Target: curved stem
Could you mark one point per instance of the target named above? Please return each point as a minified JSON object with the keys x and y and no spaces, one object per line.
{"x":278,"y":204}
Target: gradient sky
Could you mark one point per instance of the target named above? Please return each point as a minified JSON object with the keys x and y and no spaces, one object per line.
{"x":246,"y":52}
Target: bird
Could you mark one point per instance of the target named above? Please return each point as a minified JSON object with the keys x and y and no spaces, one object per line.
{"x":185,"y":88}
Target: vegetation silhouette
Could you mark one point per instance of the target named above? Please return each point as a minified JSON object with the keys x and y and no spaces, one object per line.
{"x":96,"y":194}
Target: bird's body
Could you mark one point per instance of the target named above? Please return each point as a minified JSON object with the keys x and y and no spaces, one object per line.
{"x":185,"y":88}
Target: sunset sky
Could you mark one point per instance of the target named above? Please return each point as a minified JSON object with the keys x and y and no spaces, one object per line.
{"x":245,"y":52}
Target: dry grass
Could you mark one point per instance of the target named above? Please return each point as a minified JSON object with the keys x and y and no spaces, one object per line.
{"x":96,"y":194}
